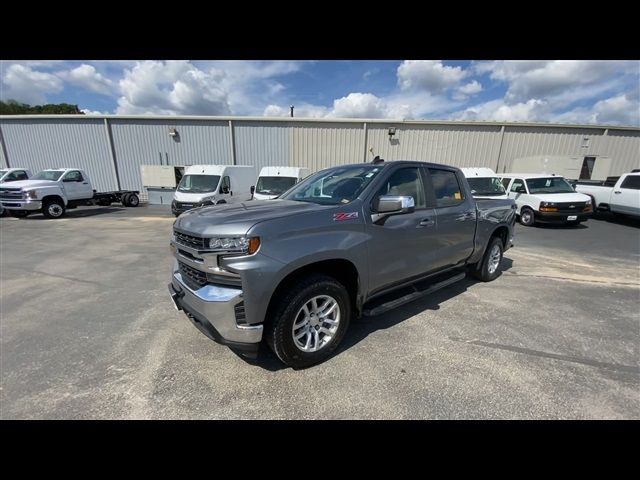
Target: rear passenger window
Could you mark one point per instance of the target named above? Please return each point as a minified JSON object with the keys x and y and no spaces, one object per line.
{"x":632,"y":182}
{"x":446,"y":187}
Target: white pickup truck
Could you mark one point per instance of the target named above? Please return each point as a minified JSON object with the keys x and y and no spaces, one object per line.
{"x":54,"y":191}
{"x":13,"y":175}
{"x":622,"y":198}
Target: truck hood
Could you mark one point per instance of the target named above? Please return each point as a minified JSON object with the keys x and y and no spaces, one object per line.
{"x":29,"y":183}
{"x":237,"y":219}
{"x":562,"y":197}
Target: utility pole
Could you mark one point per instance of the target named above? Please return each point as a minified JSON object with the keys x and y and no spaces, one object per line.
{"x":291,"y":107}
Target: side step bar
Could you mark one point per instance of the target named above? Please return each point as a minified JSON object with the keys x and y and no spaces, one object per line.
{"x":410,"y":297}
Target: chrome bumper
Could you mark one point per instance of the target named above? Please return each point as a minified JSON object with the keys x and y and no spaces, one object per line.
{"x":30,"y":205}
{"x":215,"y":305}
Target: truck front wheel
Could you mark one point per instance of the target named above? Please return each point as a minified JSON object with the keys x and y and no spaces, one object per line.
{"x":527,"y":217}
{"x":53,"y":209}
{"x":309,"y":321}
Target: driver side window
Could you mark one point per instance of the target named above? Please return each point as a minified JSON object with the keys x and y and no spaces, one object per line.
{"x":225,"y":185}
{"x":518,"y":186}
{"x":73,"y":176}
{"x":405,"y":181}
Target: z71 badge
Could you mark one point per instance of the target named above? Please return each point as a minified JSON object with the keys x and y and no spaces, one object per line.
{"x":338,"y":217}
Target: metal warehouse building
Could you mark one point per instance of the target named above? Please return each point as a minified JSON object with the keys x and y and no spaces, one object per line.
{"x":112,"y":148}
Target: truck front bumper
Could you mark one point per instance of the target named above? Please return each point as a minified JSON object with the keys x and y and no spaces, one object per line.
{"x":212,"y":310}
{"x":30,"y":205}
{"x":560,"y":217}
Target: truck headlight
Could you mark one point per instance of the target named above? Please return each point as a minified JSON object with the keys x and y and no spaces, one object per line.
{"x":548,"y":207}
{"x":588,"y":202}
{"x":248,"y":245}
{"x":31,"y":194}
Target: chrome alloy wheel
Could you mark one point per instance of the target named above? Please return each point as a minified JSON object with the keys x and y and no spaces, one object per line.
{"x":54,"y":210}
{"x":494,"y":259}
{"x":316,"y":323}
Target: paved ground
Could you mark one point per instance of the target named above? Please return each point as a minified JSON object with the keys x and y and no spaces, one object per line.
{"x":87,"y":331}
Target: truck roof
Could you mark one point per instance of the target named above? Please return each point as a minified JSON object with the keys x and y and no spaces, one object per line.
{"x":281,"y":171}
{"x":212,"y":169}
{"x":529,"y":175}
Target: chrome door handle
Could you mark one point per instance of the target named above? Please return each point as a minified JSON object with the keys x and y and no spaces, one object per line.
{"x":617,"y":192}
{"x":466,"y":216}
{"x":426,"y":222}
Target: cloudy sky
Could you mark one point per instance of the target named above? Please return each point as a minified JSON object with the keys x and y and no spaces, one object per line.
{"x":605,"y":92}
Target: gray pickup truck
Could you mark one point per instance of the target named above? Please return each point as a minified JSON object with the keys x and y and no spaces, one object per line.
{"x":347,"y":241}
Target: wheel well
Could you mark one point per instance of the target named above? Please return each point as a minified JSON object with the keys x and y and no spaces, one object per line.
{"x":503,"y":234}
{"x":342,"y":270}
{"x":53,"y":197}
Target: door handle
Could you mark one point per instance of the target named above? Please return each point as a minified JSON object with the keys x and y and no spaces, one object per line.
{"x":617,"y":192}
{"x":426,"y":222}
{"x":85,"y":183}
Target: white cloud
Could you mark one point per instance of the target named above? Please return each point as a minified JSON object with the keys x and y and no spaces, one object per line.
{"x":23,"y":84}
{"x":359,"y":105}
{"x":430,"y":75}
{"x":497,"y":110}
{"x":173,"y":88}
{"x":87,"y":77}
{"x":571,"y":79}
{"x":471,"y":88}
{"x":621,"y":109}
{"x":86,"y":111}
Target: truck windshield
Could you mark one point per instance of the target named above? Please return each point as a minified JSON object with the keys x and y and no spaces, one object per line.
{"x":485,"y":186}
{"x":274,"y":185}
{"x":549,"y":185}
{"x":199,"y":183}
{"x":333,"y":186}
{"x":52,"y":175}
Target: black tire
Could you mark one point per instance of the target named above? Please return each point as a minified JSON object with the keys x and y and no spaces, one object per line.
{"x":19,"y":213}
{"x":527,"y":217}
{"x":124,"y":200}
{"x":133,"y":200}
{"x":482,"y":271}
{"x":279,"y":327}
{"x":53,"y":209}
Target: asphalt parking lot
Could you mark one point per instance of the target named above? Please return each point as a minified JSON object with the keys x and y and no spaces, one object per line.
{"x":88,"y":332}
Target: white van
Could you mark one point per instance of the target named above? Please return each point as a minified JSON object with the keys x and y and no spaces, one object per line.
{"x":203,"y":185}
{"x":484,"y":183}
{"x":546,"y":199}
{"x":274,"y":181}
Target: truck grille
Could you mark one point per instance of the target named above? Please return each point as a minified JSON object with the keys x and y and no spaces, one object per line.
{"x":570,"y":207}
{"x":10,"y":194}
{"x":190,"y":240}
{"x":193,"y":278}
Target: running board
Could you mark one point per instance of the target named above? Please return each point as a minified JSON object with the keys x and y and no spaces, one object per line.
{"x":410,"y":297}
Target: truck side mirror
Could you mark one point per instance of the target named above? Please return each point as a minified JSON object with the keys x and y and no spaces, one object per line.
{"x":224,"y":190}
{"x":396,"y":204}
{"x":253,"y":189}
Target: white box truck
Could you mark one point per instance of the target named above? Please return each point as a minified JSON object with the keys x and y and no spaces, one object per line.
{"x":204,"y":185}
{"x":274,"y":181}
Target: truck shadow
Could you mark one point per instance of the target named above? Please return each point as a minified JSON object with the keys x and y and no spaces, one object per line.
{"x":617,"y":219}
{"x":361,"y":328}
{"x":560,"y":226}
{"x":82,"y":212}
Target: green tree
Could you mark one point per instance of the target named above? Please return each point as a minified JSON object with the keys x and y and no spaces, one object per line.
{"x":11,"y":107}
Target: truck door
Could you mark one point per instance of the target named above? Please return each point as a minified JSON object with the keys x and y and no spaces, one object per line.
{"x":456,"y":218}
{"x":516,"y":191}
{"x":402,"y":246}
{"x":626,"y":197}
{"x":76,"y":186}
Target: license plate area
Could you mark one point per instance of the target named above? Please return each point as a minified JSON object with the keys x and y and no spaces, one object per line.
{"x":572,"y":217}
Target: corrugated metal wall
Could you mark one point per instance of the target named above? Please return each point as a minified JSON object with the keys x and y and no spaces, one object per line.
{"x":45,"y":142}
{"x":332,"y":144}
{"x":147,"y":142}
{"x":3,"y":160}
{"x":39,"y":144}
{"x":261,"y":144}
{"x":461,"y":146}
